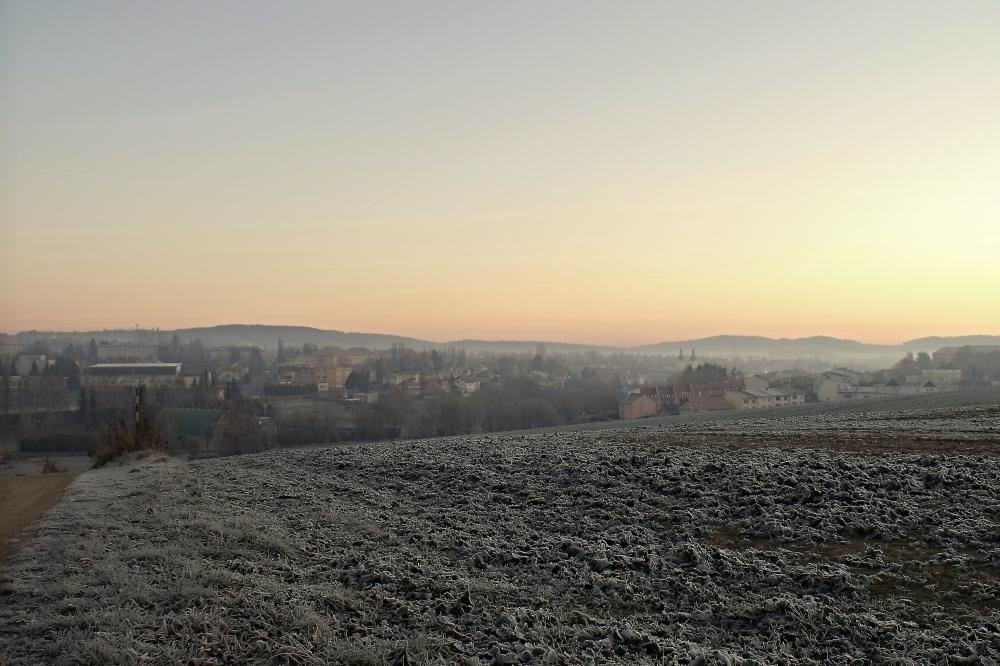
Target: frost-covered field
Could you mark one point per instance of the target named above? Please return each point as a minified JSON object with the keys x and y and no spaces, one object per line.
{"x":838,"y":537}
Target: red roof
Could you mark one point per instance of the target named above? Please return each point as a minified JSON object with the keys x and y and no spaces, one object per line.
{"x":718,"y":388}
{"x":708,"y":403}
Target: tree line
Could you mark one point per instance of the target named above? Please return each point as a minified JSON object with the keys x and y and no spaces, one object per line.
{"x":521,"y":402}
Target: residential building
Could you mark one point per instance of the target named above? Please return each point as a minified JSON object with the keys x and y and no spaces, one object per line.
{"x":37,"y":393}
{"x":637,"y":406}
{"x":709,"y":403}
{"x":681,"y":392}
{"x":237,"y":372}
{"x":764,"y":399}
{"x":400,"y":378}
{"x":297,"y":374}
{"x":715,"y":389}
{"x":666,"y":398}
{"x":831,"y":390}
{"x":467,"y":388}
{"x":837,"y":386}
{"x":944,"y":378}
{"x":218,"y":356}
{"x":831,"y":384}
{"x":793,"y":378}
{"x":333,"y":377}
{"x":25,"y":363}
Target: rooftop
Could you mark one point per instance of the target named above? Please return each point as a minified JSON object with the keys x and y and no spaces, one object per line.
{"x":766,"y":393}
{"x":151,"y":364}
{"x":124,"y":369}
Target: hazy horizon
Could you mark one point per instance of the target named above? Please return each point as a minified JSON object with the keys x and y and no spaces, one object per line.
{"x":643,"y":343}
{"x":579,"y":172}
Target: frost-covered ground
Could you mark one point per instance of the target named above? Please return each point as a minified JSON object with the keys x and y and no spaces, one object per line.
{"x":842,"y":536}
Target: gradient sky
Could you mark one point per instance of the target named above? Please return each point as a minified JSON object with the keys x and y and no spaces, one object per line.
{"x":613,"y":172}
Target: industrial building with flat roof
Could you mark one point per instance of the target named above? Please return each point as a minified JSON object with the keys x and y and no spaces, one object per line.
{"x":127,"y":374}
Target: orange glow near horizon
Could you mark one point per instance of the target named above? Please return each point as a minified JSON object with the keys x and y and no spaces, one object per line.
{"x":622,"y":178}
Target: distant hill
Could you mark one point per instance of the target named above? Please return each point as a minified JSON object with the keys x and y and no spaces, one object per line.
{"x":933,"y":343}
{"x":755,"y":345}
{"x":263,"y":336}
{"x":522,"y":346}
{"x":266,"y":336}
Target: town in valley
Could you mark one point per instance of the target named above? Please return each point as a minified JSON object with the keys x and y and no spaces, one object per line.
{"x":61,"y":393}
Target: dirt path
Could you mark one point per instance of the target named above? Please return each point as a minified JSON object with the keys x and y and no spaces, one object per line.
{"x":24,"y":499}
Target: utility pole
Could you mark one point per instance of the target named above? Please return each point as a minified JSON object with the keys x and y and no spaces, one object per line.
{"x":139,"y":391}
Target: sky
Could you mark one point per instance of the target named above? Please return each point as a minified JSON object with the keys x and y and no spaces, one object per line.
{"x":599,"y":172}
